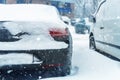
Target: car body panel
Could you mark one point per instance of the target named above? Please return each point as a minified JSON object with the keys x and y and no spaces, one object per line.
{"x":112,"y":28}
{"x":110,"y":34}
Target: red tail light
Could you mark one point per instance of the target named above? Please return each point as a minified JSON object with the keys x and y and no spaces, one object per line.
{"x":58,"y":32}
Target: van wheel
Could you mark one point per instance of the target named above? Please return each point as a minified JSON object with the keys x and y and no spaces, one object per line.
{"x":92,"y":43}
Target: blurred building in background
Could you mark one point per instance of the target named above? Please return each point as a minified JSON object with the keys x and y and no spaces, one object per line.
{"x":2,"y":1}
{"x":65,"y":7}
{"x":23,"y":1}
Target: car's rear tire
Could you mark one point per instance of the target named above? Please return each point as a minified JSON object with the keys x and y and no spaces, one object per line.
{"x":92,"y":43}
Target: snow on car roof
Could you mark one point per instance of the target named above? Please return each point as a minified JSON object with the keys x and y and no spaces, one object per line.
{"x":28,"y":12}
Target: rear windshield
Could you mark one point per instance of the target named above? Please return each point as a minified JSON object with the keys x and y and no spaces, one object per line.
{"x":13,"y":31}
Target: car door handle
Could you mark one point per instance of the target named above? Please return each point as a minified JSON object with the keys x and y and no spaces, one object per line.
{"x":101,"y":27}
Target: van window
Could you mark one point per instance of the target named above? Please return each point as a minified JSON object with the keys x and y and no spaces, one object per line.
{"x":100,"y":13}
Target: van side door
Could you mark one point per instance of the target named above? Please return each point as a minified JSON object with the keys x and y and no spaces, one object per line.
{"x":112,"y":27}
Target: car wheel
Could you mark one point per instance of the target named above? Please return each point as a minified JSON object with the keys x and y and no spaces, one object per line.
{"x":92,"y":43}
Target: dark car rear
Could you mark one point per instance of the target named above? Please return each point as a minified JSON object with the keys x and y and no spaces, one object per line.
{"x":34,"y":48}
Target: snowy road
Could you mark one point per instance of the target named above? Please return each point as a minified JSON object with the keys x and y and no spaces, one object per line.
{"x":88,"y":64}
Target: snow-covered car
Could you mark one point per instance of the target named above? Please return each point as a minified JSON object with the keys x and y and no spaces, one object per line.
{"x":74,"y":21}
{"x":33,"y":42}
{"x":81,"y":27}
{"x":105,"y":33}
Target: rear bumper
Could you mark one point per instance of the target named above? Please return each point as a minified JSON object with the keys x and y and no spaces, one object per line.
{"x":54,"y":63}
{"x":45,"y":58}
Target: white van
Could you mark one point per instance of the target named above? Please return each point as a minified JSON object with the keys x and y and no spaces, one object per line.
{"x":105,"y":34}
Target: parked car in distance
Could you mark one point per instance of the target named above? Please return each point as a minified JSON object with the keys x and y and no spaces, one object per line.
{"x":81,"y":27}
{"x":74,"y":21}
{"x":33,"y":42}
{"x":105,"y":34}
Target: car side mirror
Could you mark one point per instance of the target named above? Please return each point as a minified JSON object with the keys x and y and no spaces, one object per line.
{"x":92,"y":19}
